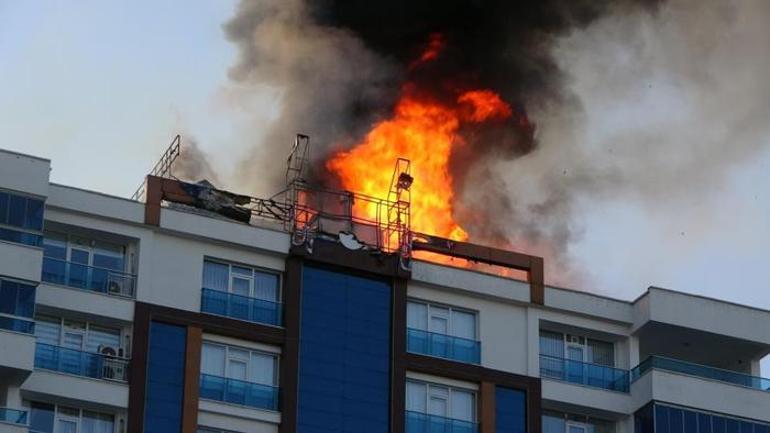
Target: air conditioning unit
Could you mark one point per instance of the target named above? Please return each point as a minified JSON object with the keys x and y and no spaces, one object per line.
{"x":116,"y":285}
{"x":575,"y":339}
{"x":108,"y":350}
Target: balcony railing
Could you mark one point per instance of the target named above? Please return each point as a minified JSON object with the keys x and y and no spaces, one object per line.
{"x":239,"y":392}
{"x":91,"y":278}
{"x":443,"y":346}
{"x":583,"y":373}
{"x":13,"y":416}
{"x":77,"y":362}
{"x":21,"y":237}
{"x":17,"y":324}
{"x":240,"y":307}
{"x":417,"y":422}
{"x":706,"y":372}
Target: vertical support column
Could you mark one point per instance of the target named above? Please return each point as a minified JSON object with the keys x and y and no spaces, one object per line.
{"x":290,"y":354}
{"x":487,"y":407}
{"x":398,"y":354}
{"x":633,"y":351}
{"x":138,"y":369}
{"x":192,"y":373}
{"x":536,"y":280}
{"x":153,"y":195}
{"x":534,"y":406}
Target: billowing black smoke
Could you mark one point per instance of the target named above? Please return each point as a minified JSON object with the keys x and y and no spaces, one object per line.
{"x":614,"y":100}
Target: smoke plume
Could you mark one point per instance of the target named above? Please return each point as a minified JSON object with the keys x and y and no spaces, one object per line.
{"x":643,"y":100}
{"x":193,"y":164}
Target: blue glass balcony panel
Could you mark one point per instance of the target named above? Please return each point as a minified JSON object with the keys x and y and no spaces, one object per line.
{"x":423,"y":423}
{"x":13,"y":416}
{"x":583,"y":373}
{"x":85,"y":277}
{"x":241,"y":307}
{"x":79,"y":363}
{"x":17,"y":325}
{"x":706,"y":372}
{"x":443,"y":346}
{"x":239,"y":392}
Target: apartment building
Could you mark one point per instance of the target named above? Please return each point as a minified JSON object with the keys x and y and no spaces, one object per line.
{"x":163,"y":315}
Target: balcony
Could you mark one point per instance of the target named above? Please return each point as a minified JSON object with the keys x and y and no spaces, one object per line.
{"x":241,"y":307}
{"x":13,"y":416}
{"x":443,"y":346}
{"x":583,"y":373}
{"x":90,"y":278}
{"x":25,"y":326}
{"x":702,"y":371}
{"x":239,"y":392}
{"x":21,"y":237}
{"x":417,"y":422}
{"x":79,"y":363}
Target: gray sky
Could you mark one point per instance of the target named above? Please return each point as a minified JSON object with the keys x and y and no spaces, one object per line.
{"x":100,"y":88}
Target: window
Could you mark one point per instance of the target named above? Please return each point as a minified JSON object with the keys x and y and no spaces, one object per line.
{"x":21,"y":218}
{"x":577,"y":348}
{"x":84,"y":252}
{"x":49,"y":418}
{"x":75,"y":335}
{"x":239,"y":363}
{"x":17,"y":306}
{"x":557,"y":422}
{"x":441,"y":320}
{"x":440,"y":400}
{"x":241,"y":280}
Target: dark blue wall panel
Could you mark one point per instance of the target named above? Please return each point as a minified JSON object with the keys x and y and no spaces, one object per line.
{"x":675,"y":420}
{"x":510,"y":410}
{"x":165,"y":378}
{"x":344,"y":361}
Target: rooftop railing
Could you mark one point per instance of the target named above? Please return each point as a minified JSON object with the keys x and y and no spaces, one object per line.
{"x":80,"y":363}
{"x":78,"y":276}
{"x":13,"y":416}
{"x":703,"y":371}
{"x":241,"y":307}
{"x":417,"y":422}
{"x":239,"y":392}
{"x":443,"y":346}
{"x":584,"y":373}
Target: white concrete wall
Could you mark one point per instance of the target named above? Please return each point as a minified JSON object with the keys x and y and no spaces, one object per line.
{"x":94,"y":303}
{"x":701,"y":394}
{"x":75,"y":390}
{"x":584,"y":303}
{"x":171,"y":268}
{"x":20,"y":261}
{"x":502,"y":326}
{"x":237,"y":418}
{"x":24,"y":173}
{"x":17,"y":350}
{"x":696,"y":312}
{"x":13,"y":428}
{"x":617,"y":403}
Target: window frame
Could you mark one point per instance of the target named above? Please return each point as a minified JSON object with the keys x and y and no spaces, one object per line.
{"x":582,"y":343}
{"x":250,"y":351}
{"x":63,"y":329}
{"x":450,"y":389}
{"x":16,"y":306}
{"x":90,"y":248}
{"x":78,"y":420}
{"x":449,"y":317}
{"x":5,"y":220}
{"x":254,"y":269}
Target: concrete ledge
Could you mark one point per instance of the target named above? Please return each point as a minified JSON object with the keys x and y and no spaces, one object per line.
{"x":470,"y":282}
{"x":586,"y":398}
{"x":99,"y":304}
{"x":24,"y":173}
{"x":237,"y":418}
{"x":13,"y":428}
{"x":21,"y":261}
{"x":75,"y":390}
{"x":699,"y":393}
{"x":17,"y":353}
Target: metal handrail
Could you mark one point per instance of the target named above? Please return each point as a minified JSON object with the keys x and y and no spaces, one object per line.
{"x":80,"y":363}
{"x":587,"y":373}
{"x":238,"y":392}
{"x":271,"y":309}
{"x":699,"y":370}
{"x":451,"y":351}
{"x":103,"y":280}
{"x":448,"y":425}
{"x":13,"y":416}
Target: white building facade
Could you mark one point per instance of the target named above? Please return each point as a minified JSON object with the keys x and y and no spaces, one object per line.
{"x":115,"y":320}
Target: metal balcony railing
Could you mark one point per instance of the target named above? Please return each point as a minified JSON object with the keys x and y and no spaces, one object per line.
{"x":417,"y":422}
{"x":86,"y":277}
{"x":703,"y":371}
{"x":584,"y":373}
{"x":13,"y":416}
{"x":239,"y":392}
{"x":26,"y":326}
{"x":240,"y":307}
{"x":80,"y":363}
{"x":443,"y":346}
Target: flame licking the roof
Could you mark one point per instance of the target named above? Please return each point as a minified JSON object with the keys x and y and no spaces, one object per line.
{"x":424,"y":129}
